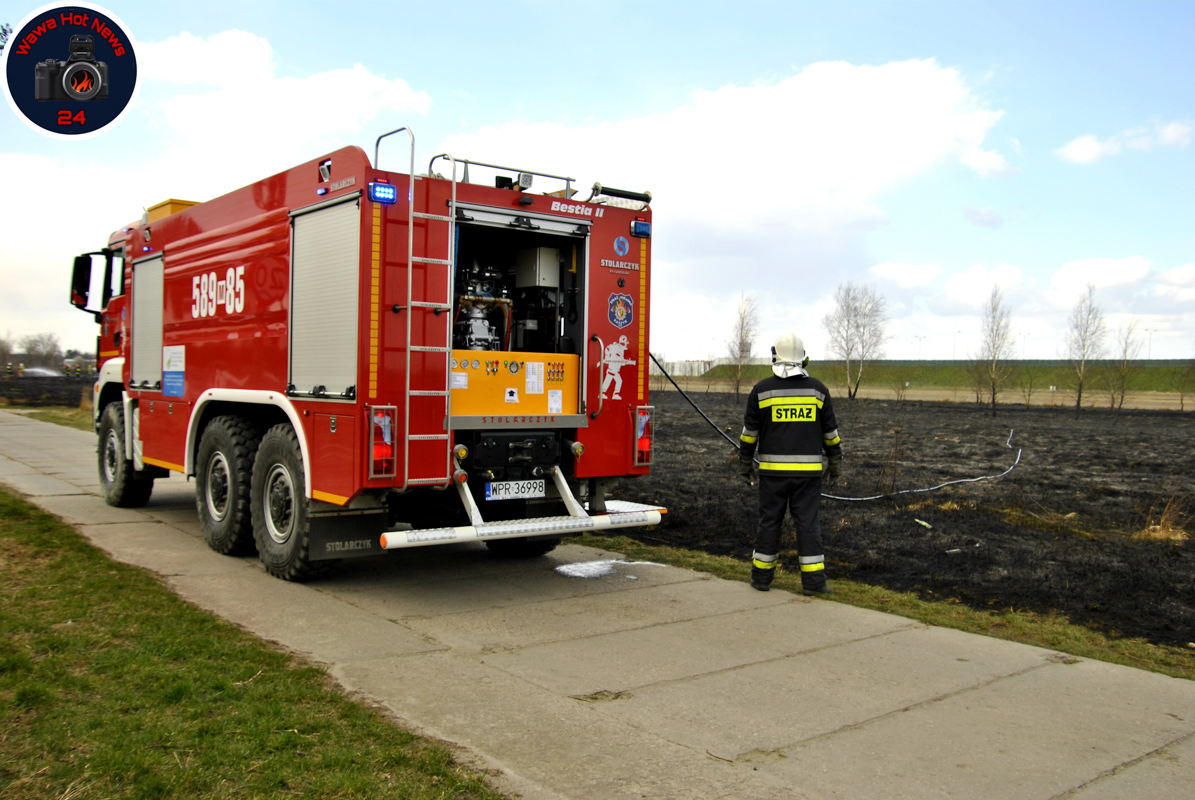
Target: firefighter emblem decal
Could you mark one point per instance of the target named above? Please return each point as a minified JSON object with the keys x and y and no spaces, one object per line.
{"x":614,"y":358}
{"x":622,"y":310}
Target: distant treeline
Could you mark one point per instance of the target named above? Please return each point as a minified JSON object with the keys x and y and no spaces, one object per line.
{"x":1146,"y":376}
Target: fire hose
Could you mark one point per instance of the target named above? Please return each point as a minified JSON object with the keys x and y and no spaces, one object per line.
{"x":884,"y":496}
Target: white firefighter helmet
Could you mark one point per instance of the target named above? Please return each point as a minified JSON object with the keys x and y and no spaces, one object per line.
{"x":622,"y":340}
{"x":788,"y":356}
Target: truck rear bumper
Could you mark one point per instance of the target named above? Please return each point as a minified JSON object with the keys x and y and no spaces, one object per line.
{"x":619,"y":514}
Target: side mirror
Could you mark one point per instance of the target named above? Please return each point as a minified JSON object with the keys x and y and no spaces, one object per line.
{"x":81,"y":281}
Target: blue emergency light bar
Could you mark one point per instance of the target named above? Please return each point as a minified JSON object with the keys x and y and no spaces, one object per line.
{"x":383,"y":192}
{"x":641,"y":228}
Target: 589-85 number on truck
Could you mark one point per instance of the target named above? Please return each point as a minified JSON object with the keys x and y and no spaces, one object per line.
{"x":208,"y":293}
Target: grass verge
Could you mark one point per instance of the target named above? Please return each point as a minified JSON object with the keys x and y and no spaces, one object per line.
{"x":1052,"y":631}
{"x":113,"y":687}
{"x":78,"y":418}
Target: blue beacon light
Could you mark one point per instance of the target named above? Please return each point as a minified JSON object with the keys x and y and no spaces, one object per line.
{"x":381,"y":192}
{"x":641,"y":228}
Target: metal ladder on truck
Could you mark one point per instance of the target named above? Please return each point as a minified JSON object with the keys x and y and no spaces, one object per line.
{"x":428,"y":331}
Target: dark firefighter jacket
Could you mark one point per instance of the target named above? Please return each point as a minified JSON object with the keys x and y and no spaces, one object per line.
{"x":791,"y":420}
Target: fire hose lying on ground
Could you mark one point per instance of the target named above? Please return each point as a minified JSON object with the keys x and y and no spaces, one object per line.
{"x":884,"y":496}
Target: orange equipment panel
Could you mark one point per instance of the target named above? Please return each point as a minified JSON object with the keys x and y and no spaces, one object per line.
{"x":488,"y":382}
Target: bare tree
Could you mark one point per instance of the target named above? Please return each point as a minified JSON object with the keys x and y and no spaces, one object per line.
{"x":5,"y":32}
{"x":742,"y":339}
{"x":1123,"y":372}
{"x":5,"y":349}
{"x":1084,"y":341}
{"x":42,"y":350}
{"x":709,"y":376}
{"x":995,"y":346}
{"x":856,"y":330}
{"x":1185,"y":380}
{"x":1027,"y":382}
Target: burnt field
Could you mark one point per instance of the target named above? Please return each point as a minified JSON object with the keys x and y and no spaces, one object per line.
{"x":1092,"y":524}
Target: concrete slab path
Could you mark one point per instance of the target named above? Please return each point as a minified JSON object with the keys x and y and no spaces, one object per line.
{"x":657,"y":682}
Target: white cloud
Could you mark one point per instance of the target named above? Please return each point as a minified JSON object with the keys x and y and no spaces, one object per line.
{"x":986,"y":163}
{"x":984,"y":217}
{"x":1174,"y":134}
{"x":813,"y":152}
{"x":1072,"y":278}
{"x":907,"y":275}
{"x":970,"y":288}
{"x":1177,"y":284}
{"x":229,"y":59}
{"x":1088,"y":149}
{"x":770,"y":184}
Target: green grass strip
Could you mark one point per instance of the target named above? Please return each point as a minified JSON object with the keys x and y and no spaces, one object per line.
{"x":113,"y":687}
{"x":1052,"y":631}
{"x":77,"y":418}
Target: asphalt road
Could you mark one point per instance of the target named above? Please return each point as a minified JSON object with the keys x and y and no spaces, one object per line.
{"x":653,"y":681}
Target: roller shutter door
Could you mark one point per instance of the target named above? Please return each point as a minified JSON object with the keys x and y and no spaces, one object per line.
{"x":147,"y":323}
{"x":325,"y":300}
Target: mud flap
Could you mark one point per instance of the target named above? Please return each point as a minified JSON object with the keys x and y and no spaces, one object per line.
{"x":347,"y":535}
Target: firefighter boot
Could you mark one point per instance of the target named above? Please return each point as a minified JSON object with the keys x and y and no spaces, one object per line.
{"x":761,"y":579}
{"x":810,"y":591}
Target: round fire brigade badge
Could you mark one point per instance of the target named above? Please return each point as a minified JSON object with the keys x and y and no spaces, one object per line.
{"x":70,"y":71}
{"x":622,"y":310}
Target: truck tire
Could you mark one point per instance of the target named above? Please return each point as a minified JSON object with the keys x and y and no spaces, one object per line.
{"x":521,"y":547}
{"x":121,"y":485}
{"x":223,"y":477}
{"x":281,"y":525}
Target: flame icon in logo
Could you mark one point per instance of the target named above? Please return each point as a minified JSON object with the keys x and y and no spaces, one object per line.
{"x":82,"y":82}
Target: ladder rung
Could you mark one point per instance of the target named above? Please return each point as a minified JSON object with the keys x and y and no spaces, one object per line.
{"x":445,"y":479}
{"x":425,"y":304}
{"x":421,"y":349}
{"x":428,"y":437}
{"x":427,"y":393}
{"x":441,"y":217}
{"x":422,"y":260}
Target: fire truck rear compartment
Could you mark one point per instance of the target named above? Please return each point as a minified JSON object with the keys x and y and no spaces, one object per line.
{"x":518,"y":290}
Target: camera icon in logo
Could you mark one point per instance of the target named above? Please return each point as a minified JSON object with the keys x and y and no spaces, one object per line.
{"x":80,"y":77}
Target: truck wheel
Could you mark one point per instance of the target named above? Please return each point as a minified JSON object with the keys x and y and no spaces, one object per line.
{"x":223,"y":469}
{"x":281,"y":526}
{"x":521,"y":547}
{"x":119,"y":481}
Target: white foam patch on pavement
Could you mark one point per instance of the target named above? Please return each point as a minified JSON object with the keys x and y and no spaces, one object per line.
{"x":600,"y":569}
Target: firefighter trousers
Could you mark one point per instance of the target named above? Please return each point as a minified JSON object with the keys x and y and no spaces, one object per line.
{"x":801,"y":496}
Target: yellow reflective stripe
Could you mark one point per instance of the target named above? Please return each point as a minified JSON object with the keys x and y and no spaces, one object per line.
{"x":791,"y":401}
{"x":832,"y":442}
{"x":812,"y":567}
{"x":813,"y":467}
{"x":764,"y":564}
{"x":748,"y":439}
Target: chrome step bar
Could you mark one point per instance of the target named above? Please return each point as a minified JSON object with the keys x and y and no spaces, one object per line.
{"x":619,"y":514}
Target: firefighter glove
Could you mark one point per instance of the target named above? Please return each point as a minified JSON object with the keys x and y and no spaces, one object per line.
{"x":747,"y":470}
{"x":835,"y":470}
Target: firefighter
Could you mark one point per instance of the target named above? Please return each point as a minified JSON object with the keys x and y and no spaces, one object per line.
{"x":791,"y":420}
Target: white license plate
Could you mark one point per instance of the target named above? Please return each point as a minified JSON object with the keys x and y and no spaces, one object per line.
{"x":513,"y":490}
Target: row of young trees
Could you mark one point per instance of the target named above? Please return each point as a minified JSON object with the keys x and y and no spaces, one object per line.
{"x":856,"y":331}
{"x":39,"y":349}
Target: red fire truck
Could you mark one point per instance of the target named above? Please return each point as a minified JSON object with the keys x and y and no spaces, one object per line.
{"x":349,"y":360}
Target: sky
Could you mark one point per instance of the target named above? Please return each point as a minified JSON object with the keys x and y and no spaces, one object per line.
{"x":932,"y":150}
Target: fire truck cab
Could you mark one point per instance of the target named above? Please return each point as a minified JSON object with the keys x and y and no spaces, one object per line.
{"x":349,"y":360}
